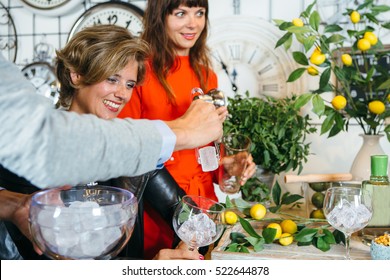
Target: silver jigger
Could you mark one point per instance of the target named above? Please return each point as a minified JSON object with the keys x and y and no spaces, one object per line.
{"x":215,"y":96}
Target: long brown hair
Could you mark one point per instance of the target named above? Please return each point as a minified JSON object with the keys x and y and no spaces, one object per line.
{"x":162,"y":48}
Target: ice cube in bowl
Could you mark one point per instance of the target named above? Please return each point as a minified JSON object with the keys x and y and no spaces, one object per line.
{"x":83,"y":222}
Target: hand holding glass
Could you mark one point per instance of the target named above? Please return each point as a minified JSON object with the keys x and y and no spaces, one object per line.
{"x":347,"y":209}
{"x":198,"y":221}
{"x":234,"y":152}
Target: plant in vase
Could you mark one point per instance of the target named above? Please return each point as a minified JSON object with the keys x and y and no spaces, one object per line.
{"x":278,"y":132}
{"x":351,"y":62}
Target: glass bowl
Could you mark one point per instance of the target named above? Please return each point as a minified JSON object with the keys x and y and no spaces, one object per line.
{"x":83,"y":222}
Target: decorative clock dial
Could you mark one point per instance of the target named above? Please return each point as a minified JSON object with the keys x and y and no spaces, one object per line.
{"x":117,"y":13}
{"x":245,"y":58}
{"x":51,"y":7}
{"x":8,"y":37}
{"x":43,"y":77}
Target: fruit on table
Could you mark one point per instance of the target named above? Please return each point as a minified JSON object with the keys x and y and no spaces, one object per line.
{"x":230,"y":217}
{"x":286,"y":239}
{"x":320,"y":186}
{"x":317,"y":214}
{"x":278,"y":229}
{"x":258,"y":211}
{"x":289,"y":226}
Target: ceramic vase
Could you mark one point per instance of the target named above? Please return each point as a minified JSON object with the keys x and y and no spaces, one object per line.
{"x":361,"y":166}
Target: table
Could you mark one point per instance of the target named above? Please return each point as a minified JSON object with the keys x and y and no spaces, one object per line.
{"x":359,"y":251}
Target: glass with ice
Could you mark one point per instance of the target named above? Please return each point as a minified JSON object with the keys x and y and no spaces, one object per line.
{"x":347,"y":209}
{"x":198,"y":221}
{"x":83,"y":222}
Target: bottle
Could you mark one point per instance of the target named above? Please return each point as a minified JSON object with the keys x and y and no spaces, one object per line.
{"x":379,"y":188}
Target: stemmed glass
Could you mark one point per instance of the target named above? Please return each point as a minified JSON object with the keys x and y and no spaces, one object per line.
{"x":347,"y":209}
{"x":198,"y":221}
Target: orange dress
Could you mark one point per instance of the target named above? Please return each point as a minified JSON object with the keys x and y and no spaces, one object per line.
{"x":150,"y":101}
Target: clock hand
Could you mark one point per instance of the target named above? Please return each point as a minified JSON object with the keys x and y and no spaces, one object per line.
{"x":224,"y":67}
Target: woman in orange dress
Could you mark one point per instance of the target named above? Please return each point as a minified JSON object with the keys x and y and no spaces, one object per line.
{"x":177,"y":33}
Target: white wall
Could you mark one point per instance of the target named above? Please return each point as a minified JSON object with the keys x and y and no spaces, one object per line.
{"x":328,"y":155}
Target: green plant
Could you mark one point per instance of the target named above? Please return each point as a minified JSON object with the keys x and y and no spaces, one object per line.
{"x":275,"y":126}
{"x":359,"y":69}
{"x":255,"y":190}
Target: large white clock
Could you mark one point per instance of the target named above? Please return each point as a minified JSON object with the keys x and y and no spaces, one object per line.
{"x":245,"y":58}
{"x":114,"y":12}
{"x":51,"y":7}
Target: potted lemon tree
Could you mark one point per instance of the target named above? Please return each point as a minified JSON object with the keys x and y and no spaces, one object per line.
{"x":278,"y":132}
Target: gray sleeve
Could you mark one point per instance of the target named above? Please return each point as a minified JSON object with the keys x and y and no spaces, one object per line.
{"x":51,"y":147}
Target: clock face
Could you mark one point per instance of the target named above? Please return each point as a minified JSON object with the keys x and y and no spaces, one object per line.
{"x":117,"y":13}
{"x":51,"y":7}
{"x":245,"y":59}
{"x":8,"y":37}
{"x":43,"y":77}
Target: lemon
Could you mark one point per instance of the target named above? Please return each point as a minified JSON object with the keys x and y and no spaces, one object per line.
{"x":371,"y":37}
{"x":317,"y":58}
{"x":230,"y":217}
{"x":377,"y":107}
{"x":286,"y":239}
{"x":346,"y":59}
{"x":363,"y":44}
{"x":339,"y":102}
{"x":289,"y":226}
{"x":278,"y":229}
{"x":297,"y":22}
{"x":258,"y":211}
{"x":355,"y":16}
{"x":312,"y":71}
{"x":320,"y":186}
{"x":317,"y":199}
{"x":317,"y":214}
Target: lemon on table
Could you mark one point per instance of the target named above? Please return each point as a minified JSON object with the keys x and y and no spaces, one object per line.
{"x":258,"y":211}
{"x":317,"y":214}
{"x":230,"y":217}
{"x":289,"y":226}
{"x":278,"y":229}
{"x":286,"y":239}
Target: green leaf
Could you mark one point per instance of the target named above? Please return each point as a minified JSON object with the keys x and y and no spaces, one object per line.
{"x":328,"y":122}
{"x":332,"y":28}
{"x":284,"y":39}
{"x":308,"y":42}
{"x":318,"y":105}
{"x":329,"y":238}
{"x":296,"y":74}
{"x":232,"y":247}
{"x":335,"y":39}
{"x":302,"y":100}
{"x":306,"y":235}
{"x":228,"y":202}
{"x":384,"y":85}
{"x":325,"y":77}
{"x":248,"y":228}
{"x":276,"y":193}
{"x":298,"y":29}
{"x":300,"y":58}
{"x":314,"y":20}
{"x":269,"y":235}
{"x":322,"y":244}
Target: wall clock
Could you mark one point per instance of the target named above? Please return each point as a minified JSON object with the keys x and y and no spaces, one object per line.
{"x":245,"y":59}
{"x":8,"y":36}
{"x":117,"y":13}
{"x":42,"y":74}
{"x":51,"y":7}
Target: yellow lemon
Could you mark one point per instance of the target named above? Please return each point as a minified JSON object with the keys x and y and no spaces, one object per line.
{"x":355,"y":16}
{"x":371,"y":37}
{"x":312,"y":71}
{"x":317,"y":58}
{"x":346,"y":59}
{"x":339,"y":102}
{"x":388,"y":97}
{"x":258,"y":211}
{"x":297,"y":22}
{"x":363,"y":44}
{"x":286,"y":239}
{"x":317,"y":214}
{"x":278,"y":229}
{"x":230,"y":217}
{"x":289,"y":226}
{"x":377,"y":107}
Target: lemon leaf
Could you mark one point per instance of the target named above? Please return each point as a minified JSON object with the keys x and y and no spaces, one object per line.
{"x":248,"y":228}
{"x":321,"y":244}
{"x":269,"y":235}
{"x":296,"y":74}
{"x":306,"y":235}
{"x":300,"y":58}
{"x":314,"y":20}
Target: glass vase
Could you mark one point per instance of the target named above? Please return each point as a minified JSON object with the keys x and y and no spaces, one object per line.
{"x":361,"y":166}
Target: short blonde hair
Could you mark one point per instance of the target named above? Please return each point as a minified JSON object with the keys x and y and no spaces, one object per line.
{"x":96,"y":53}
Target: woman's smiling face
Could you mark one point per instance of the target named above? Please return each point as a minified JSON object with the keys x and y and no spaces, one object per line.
{"x":107,"y":98}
